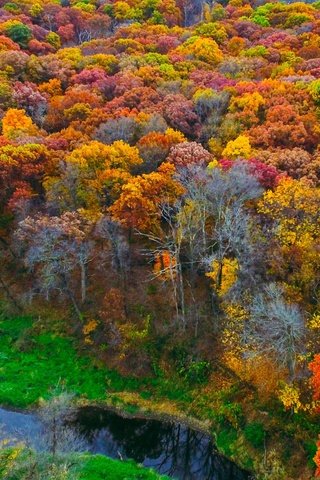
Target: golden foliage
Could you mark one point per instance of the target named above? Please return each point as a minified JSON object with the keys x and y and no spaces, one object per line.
{"x":88,"y":329}
{"x":224,"y":274}
{"x":295,"y":205}
{"x":15,"y":123}
{"x":238,"y":148}
{"x":290,"y":397}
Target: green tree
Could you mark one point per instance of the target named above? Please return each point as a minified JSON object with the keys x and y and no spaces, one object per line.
{"x":19,"y":33}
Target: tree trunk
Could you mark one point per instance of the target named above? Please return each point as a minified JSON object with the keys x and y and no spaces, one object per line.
{"x":75,"y":305}
{"x":83,"y":281}
{"x":72,"y":298}
{"x":181,"y":295}
{"x":219,"y":275}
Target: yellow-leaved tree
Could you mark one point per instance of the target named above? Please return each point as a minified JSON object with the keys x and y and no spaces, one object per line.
{"x":16,"y":123}
{"x":238,"y":148}
{"x":293,"y":206}
{"x":224,"y":274}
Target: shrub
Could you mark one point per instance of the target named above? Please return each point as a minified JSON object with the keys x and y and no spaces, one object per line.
{"x":255,"y":434}
{"x":310,"y":449}
{"x":196,"y":372}
{"x":231,"y":413}
{"x":225,"y":440}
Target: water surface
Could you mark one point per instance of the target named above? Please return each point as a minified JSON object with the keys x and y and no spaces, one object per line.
{"x":170,"y":448}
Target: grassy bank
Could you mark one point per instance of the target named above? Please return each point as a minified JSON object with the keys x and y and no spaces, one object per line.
{"x":31,"y":364}
{"x":98,"y":467}
{"x":32,"y":361}
{"x":15,"y":463}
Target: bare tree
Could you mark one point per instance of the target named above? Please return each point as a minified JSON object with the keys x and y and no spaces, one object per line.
{"x":122,"y":128}
{"x":54,"y":248}
{"x":168,"y":245}
{"x":117,"y":247}
{"x":219,"y":195}
{"x":58,"y":434}
{"x":83,"y":254}
{"x":210,"y":222}
{"x":275,"y":327}
{"x":51,"y":454}
{"x":84,"y":36}
{"x":216,"y":221}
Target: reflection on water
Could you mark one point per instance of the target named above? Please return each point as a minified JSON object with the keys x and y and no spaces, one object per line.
{"x":18,"y":426}
{"x":170,"y":448}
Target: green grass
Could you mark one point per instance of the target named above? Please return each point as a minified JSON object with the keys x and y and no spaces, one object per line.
{"x":98,"y":467}
{"x":17,"y":464}
{"x":31,"y":364}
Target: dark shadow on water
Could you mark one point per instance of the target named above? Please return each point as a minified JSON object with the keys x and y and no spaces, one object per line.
{"x":170,"y":448}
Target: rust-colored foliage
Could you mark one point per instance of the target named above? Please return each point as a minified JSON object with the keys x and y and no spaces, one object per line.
{"x":184,"y":137}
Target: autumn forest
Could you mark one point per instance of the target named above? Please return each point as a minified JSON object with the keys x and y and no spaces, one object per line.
{"x":160,"y":222}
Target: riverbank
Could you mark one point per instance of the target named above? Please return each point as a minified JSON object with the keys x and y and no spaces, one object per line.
{"x":169,"y":448}
{"x":33,"y":361}
{"x":83,"y":466}
{"x":26,"y":358}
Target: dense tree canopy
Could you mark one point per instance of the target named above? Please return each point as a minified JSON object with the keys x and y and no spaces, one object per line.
{"x":169,"y":149}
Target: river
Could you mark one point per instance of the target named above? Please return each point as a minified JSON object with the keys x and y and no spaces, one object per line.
{"x":170,"y":448}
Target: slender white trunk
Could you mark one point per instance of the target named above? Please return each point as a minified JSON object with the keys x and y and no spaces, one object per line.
{"x":83,"y":281}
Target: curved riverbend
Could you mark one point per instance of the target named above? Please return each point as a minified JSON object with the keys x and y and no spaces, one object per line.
{"x":169,"y":447}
